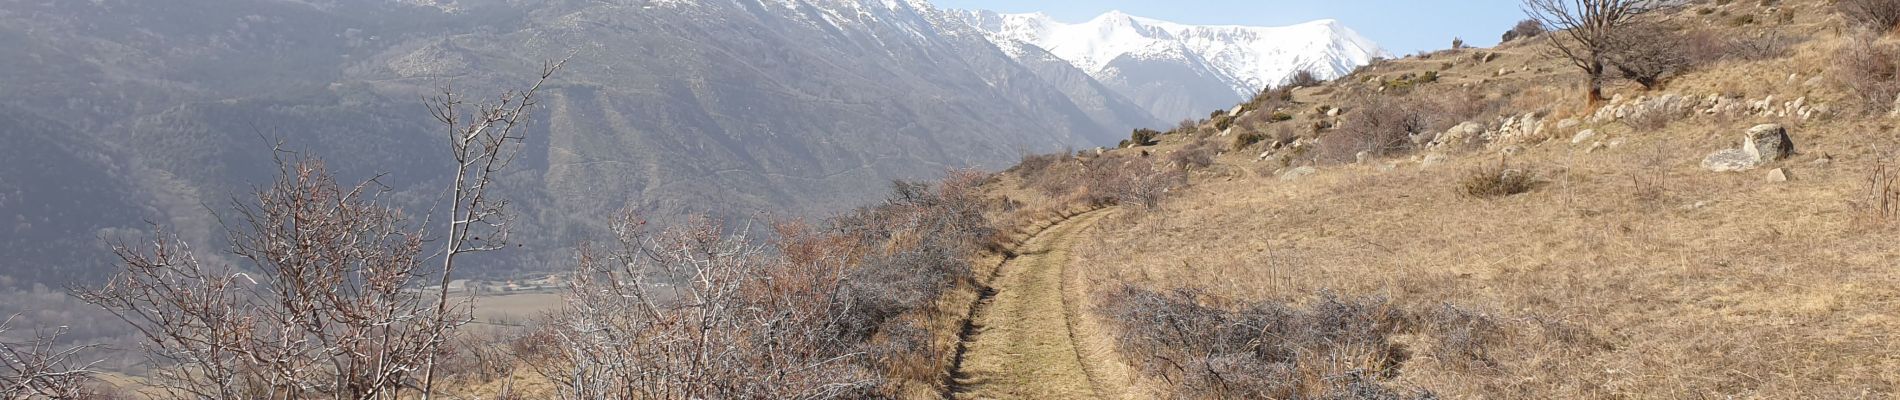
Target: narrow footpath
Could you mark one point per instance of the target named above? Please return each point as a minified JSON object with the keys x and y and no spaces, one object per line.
{"x":1031,"y":339}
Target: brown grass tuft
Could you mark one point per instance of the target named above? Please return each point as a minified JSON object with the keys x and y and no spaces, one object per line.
{"x":1497,"y":180}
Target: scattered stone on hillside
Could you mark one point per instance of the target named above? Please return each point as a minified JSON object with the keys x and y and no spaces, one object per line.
{"x":1730,"y":160}
{"x":1568,"y":123}
{"x":1779,"y":175}
{"x":1511,"y":150}
{"x":1431,"y":160}
{"x":1236,"y":112}
{"x":1332,"y":112}
{"x":1768,"y":143}
{"x":1594,"y":147}
{"x":1516,"y":129}
{"x":1823,"y":161}
{"x":1489,"y":57}
{"x":1583,"y":136}
{"x":1226,"y":132}
{"x":1362,"y":157}
{"x":1297,"y":173}
{"x":1462,"y":137}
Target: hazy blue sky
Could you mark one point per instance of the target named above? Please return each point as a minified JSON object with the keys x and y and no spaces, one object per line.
{"x":1401,"y":26}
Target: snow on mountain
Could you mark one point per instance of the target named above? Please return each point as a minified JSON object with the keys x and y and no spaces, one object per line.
{"x":1252,"y":57}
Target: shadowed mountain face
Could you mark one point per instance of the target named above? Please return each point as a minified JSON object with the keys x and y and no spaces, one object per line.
{"x":129,"y":110}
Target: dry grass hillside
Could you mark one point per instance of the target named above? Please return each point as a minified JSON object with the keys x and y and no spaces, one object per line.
{"x":1512,"y":256}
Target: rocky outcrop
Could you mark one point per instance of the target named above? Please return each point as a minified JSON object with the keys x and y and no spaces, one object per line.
{"x":1768,"y":143}
{"x":1761,"y":145}
{"x":1620,"y":108}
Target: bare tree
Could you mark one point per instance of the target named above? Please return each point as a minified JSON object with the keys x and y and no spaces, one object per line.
{"x":37,"y":366}
{"x":483,"y":143}
{"x":328,"y":301}
{"x":1588,"y":31}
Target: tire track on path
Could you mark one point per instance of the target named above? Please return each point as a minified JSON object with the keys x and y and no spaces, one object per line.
{"x":1030,"y":337}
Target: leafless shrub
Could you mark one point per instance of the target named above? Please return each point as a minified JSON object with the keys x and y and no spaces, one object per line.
{"x":1880,"y":199}
{"x":1197,"y":155}
{"x":1303,"y":79}
{"x":1870,"y":70}
{"x":1703,"y":47}
{"x":327,"y":303}
{"x":37,"y":365}
{"x":1247,"y":139}
{"x":1528,"y":28}
{"x":1379,"y":125}
{"x":695,"y":312}
{"x":1877,"y":15}
{"x":692,"y":313}
{"x":1209,"y":347}
{"x":1129,"y":181}
{"x":1036,"y":164}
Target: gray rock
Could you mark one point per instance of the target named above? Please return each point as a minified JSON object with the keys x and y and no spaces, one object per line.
{"x":1768,"y":143}
{"x":1431,"y":160}
{"x":1583,"y":136}
{"x":1464,"y":136}
{"x":1297,"y":173}
{"x":1779,"y":175}
{"x":1730,"y":160}
{"x":1568,"y":123}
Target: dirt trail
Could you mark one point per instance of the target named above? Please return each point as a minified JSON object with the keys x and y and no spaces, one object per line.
{"x":1032,"y":338}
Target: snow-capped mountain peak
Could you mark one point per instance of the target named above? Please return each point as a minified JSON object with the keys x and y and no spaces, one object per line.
{"x":1254,"y":57}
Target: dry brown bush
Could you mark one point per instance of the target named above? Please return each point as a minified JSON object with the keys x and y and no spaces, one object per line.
{"x":1870,"y":69}
{"x":1497,"y":180}
{"x":1197,"y":155}
{"x":1128,"y":181}
{"x":1880,"y":199}
{"x":1303,"y":79}
{"x":695,"y":311}
{"x":1877,"y":15}
{"x":1379,"y":125}
{"x":1525,"y":29}
{"x":1707,"y":47}
{"x":1210,"y":347}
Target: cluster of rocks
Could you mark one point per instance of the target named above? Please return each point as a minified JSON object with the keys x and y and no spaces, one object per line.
{"x":1473,"y":135}
{"x":1619,"y":108}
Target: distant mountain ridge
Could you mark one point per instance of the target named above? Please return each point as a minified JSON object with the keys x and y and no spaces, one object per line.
{"x":1178,"y":70}
{"x":138,"y":110}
